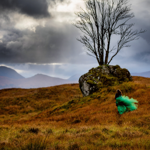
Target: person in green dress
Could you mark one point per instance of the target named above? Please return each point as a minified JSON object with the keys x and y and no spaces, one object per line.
{"x":124,"y":103}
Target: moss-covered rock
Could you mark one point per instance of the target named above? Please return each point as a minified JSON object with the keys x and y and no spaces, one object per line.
{"x":102,"y":76}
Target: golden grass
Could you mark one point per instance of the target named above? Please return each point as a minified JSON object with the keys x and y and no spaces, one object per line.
{"x":60,"y":117}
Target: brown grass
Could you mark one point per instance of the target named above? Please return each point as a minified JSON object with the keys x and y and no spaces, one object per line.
{"x":60,"y":117}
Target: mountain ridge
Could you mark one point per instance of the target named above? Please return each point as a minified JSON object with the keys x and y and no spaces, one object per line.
{"x":9,"y":78}
{"x":143,"y":74}
{"x":10,"y":73}
{"x":36,"y":81}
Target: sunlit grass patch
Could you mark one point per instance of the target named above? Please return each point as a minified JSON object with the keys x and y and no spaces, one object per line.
{"x":38,"y":143}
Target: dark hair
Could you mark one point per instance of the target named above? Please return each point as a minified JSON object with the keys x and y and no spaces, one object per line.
{"x":119,"y":92}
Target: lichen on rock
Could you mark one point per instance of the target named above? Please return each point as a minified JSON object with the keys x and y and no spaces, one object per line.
{"x":102,"y":76}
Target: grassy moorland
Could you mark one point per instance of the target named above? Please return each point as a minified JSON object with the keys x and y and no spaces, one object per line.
{"x":60,"y":118}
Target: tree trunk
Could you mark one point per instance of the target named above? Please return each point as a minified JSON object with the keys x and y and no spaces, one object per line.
{"x":106,"y":57}
{"x":108,"y":47}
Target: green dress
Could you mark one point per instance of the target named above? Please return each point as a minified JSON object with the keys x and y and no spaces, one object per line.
{"x":125,"y":104}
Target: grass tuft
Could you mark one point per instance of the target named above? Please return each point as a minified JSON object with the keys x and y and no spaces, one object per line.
{"x":74,"y":146}
{"x":33,"y":130}
{"x":35,"y":144}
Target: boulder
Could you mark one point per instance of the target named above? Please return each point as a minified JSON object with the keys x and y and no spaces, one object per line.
{"x":103,"y":76}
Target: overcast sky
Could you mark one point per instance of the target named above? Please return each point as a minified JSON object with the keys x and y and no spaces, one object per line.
{"x":38,"y":36}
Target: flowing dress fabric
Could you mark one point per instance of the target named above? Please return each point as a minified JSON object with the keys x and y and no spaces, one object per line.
{"x":125,"y":104}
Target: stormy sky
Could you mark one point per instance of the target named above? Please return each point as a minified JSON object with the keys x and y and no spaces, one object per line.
{"x":38,"y":36}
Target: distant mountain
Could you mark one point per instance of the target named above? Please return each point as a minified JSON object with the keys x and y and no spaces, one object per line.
{"x":7,"y":82}
{"x":9,"y":78}
{"x":41,"y":80}
{"x":142,"y":74}
{"x":75,"y":78}
{"x":9,"y":73}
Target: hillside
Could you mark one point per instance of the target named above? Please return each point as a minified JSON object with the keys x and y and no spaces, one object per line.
{"x":60,"y":117}
{"x":9,"y":73}
{"x":142,"y":74}
{"x":41,"y":80}
{"x":9,"y":78}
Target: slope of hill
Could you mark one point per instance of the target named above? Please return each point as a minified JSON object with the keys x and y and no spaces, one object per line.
{"x":75,"y":78}
{"x":40,"y":80}
{"x":9,"y":78}
{"x":6,"y":82}
{"x":60,"y":117}
{"x":142,"y":74}
{"x":9,"y":73}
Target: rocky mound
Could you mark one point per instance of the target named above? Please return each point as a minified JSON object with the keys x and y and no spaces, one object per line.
{"x":102,"y":76}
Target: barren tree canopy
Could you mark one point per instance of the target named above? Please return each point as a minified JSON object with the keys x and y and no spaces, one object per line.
{"x":99,"y":22}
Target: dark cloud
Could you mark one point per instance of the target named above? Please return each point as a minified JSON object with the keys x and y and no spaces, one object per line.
{"x":141,"y":47}
{"x":55,"y":41}
{"x":144,"y":25}
{"x":49,"y":44}
{"x":143,"y":55}
{"x":34,"y":8}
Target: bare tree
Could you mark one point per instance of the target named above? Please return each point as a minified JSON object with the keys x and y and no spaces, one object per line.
{"x":101,"y":20}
